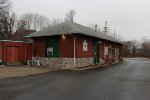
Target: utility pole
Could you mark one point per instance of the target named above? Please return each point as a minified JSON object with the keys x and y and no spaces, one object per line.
{"x":95,"y":27}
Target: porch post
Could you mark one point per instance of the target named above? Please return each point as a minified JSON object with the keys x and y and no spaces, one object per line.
{"x":32,"y":50}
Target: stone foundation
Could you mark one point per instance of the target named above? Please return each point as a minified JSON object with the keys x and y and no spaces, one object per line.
{"x":102,"y":61}
{"x":65,"y":62}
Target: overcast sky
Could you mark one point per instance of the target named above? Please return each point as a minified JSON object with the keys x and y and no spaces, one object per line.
{"x":130,"y":18}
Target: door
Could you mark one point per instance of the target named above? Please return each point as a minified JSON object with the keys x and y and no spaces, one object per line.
{"x":12,"y":54}
{"x":96,"y":56}
{"x":96,"y":51}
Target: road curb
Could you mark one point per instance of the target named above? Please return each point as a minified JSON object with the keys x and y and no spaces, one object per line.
{"x":94,"y":67}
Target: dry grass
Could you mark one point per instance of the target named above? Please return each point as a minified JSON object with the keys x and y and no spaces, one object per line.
{"x":16,"y":71}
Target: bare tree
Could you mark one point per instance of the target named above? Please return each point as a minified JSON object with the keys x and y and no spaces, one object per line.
{"x":70,"y":15}
{"x":55,"y":22}
{"x":146,"y":47}
{"x":27,"y":18}
{"x":21,"y":25}
{"x":7,"y":21}
{"x":42,"y":22}
{"x":34,"y":21}
{"x":4,"y":4}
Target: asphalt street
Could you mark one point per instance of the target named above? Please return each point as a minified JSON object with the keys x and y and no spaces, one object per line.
{"x":125,"y":81}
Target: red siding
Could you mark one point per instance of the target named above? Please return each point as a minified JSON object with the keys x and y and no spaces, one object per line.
{"x":106,"y":57}
{"x":79,"y":47}
{"x":12,"y":54}
{"x":8,"y":50}
{"x":26,"y":52}
{"x":111,"y":46}
{"x":66,"y":46}
{"x":0,"y":51}
{"x":18,"y":51}
{"x":39,"y":47}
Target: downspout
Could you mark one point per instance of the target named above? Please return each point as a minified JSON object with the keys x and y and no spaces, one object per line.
{"x":74,"y":59}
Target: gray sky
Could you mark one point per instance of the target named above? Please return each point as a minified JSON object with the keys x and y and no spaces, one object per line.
{"x":130,"y":18}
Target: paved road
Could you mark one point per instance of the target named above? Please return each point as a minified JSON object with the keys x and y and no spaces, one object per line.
{"x":126,"y":81}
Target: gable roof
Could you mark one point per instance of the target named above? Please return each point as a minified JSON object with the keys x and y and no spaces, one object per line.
{"x":68,"y":27}
{"x":19,"y":35}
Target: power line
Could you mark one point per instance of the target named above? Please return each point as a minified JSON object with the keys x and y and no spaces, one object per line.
{"x":58,"y":12}
{"x":44,"y":7}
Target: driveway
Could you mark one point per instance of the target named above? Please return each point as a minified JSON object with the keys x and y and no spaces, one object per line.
{"x":125,"y":81}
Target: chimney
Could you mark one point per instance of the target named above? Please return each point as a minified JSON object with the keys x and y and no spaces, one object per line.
{"x":95,"y":27}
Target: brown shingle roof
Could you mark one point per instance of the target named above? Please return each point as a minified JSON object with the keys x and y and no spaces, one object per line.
{"x":19,"y":35}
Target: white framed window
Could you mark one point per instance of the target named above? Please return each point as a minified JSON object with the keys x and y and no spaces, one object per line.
{"x":50,"y":51}
{"x":85,"y":45}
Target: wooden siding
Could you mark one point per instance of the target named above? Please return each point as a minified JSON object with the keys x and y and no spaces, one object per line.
{"x":15,"y":52}
{"x":12,"y":54}
{"x":53,"y":42}
{"x":39,"y":47}
{"x":79,"y":47}
{"x":66,"y":46}
{"x":1,"y":54}
{"x":101,"y":50}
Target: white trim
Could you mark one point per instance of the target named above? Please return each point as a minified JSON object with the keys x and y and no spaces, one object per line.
{"x":13,"y":41}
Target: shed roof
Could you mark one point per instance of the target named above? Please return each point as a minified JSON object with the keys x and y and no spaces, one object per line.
{"x":68,"y":27}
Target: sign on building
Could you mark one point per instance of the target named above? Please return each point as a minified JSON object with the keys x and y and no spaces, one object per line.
{"x":50,"y":51}
{"x":85,"y":46}
{"x":106,"y":51}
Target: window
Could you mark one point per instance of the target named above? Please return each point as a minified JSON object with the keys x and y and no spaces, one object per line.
{"x":85,"y":46}
{"x":50,"y":51}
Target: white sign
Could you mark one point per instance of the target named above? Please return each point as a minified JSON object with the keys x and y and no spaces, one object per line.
{"x":85,"y":46}
{"x":106,"y":51}
{"x":50,"y":51}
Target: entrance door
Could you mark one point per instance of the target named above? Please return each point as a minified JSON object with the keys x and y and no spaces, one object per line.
{"x":96,"y":56}
{"x":12,"y":54}
{"x":96,"y":51}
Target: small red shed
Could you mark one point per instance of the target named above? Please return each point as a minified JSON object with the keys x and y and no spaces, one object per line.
{"x":12,"y":52}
